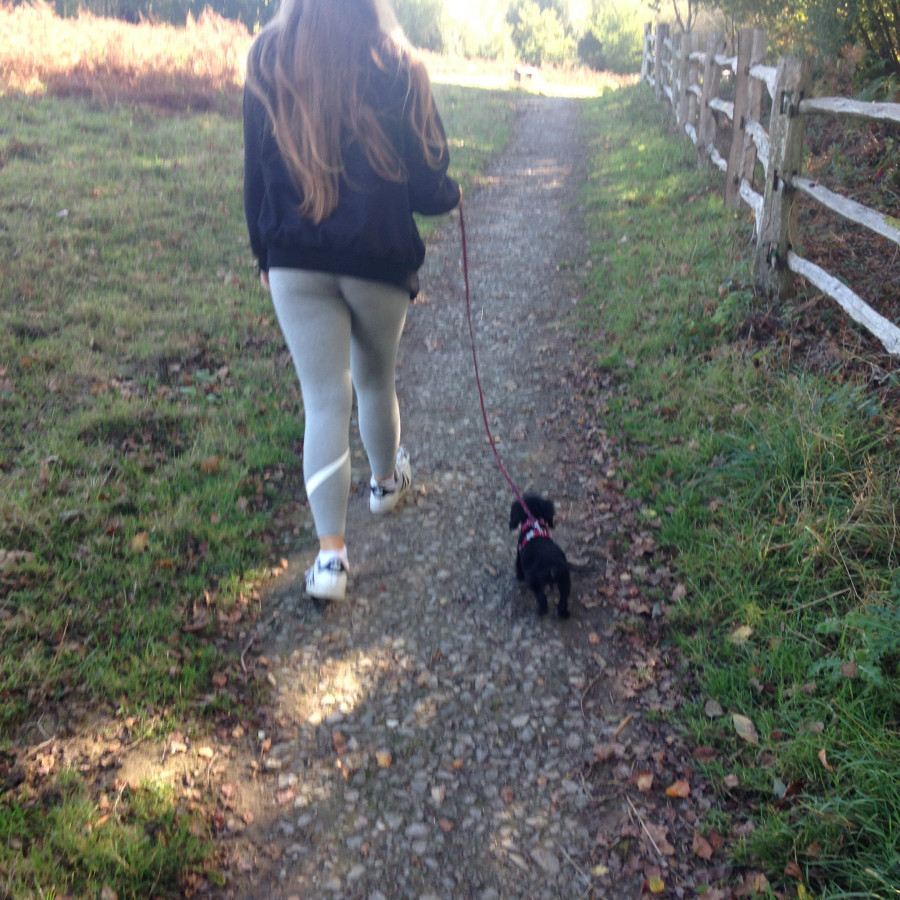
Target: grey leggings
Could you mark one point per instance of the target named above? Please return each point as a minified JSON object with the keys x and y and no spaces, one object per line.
{"x":342,"y":333}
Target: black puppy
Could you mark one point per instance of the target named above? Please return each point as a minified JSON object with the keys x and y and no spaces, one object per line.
{"x":540,"y":562}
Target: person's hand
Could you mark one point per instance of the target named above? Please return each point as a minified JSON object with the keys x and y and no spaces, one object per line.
{"x":264,"y":278}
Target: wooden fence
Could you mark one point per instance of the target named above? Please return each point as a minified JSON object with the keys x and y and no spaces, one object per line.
{"x":686,"y":71}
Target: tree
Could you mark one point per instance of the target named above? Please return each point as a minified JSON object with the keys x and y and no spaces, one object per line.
{"x":539,"y":35}
{"x":618,"y":27}
{"x":876,"y":24}
{"x":823,"y":26}
{"x":486,"y":34}
{"x":422,"y":22}
{"x":682,"y":9}
{"x":590,"y":51}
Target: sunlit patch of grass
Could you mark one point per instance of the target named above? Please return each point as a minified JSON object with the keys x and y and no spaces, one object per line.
{"x":137,"y":839}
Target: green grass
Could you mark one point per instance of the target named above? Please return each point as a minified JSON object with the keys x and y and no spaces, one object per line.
{"x":150,"y":438}
{"x":777,"y":490}
{"x":150,"y":450}
{"x":138,"y":842}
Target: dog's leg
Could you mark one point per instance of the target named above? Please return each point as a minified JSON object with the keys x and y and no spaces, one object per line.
{"x":520,"y":574}
{"x":541,"y":598}
{"x":564,"y":583}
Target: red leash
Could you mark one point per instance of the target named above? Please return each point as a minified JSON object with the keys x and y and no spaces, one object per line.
{"x":465,"y":261}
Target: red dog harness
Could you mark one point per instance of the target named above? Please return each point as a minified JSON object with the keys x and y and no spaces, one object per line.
{"x":536,"y":528}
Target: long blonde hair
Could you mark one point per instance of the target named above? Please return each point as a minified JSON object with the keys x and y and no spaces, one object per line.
{"x":306,"y":69}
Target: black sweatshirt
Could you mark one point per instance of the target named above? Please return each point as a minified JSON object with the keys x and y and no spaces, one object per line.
{"x":371,"y":234}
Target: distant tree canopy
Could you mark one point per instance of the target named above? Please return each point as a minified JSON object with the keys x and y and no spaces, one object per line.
{"x":252,"y":13}
{"x":602,"y":34}
{"x":811,"y":26}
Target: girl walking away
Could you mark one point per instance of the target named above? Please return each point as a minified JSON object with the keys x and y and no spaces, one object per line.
{"x":342,"y":144}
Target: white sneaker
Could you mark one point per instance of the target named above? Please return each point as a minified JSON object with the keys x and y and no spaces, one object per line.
{"x":382,"y":499}
{"x":327,"y":581}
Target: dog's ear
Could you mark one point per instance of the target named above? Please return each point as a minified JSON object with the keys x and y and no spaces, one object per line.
{"x":516,"y":515}
{"x":549,"y":513}
{"x":541,"y":507}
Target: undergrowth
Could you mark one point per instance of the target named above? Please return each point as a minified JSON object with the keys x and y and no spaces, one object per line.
{"x":779,"y":491}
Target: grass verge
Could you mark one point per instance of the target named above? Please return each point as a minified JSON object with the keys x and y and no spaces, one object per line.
{"x":776,"y":484}
{"x":150,"y":466}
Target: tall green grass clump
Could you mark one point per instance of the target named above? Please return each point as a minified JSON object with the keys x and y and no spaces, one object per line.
{"x":777,"y":488}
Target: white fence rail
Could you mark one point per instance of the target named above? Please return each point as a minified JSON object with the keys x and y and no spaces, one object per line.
{"x":688,"y":78}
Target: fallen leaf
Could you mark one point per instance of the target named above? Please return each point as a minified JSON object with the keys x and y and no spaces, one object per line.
{"x":745,"y":729}
{"x":339,"y":742}
{"x":140,"y":542}
{"x":446,"y":825}
{"x":656,"y":885}
{"x":757,"y":882}
{"x":599,"y":870}
{"x":604,"y":752}
{"x":210,"y":465}
{"x":658,"y":834}
{"x":594,"y":638}
{"x":849,"y":669}
{"x":740,"y":635}
{"x":679,"y":789}
{"x":643,"y":781}
{"x":713,"y":709}
{"x":220,"y":679}
{"x":507,"y":795}
{"x":206,"y":752}
{"x":731,"y":781}
{"x":384,"y":758}
{"x":792,"y":870}
{"x":823,"y":758}
{"x":701,"y":846}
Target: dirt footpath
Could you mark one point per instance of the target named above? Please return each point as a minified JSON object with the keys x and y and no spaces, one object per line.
{"x":432,"y":737}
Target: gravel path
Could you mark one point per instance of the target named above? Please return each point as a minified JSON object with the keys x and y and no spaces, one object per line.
{"x":429,"y":738}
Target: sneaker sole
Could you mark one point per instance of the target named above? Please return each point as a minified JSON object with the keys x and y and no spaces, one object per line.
{"x":334,"y":591}
{"x":379,"y":507}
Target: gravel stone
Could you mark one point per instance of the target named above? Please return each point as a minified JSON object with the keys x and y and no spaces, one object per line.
{"x":460,"y":708}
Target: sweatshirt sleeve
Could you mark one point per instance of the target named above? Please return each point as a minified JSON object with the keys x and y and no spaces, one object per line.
{"x":432,"y":192}
{"x":255,"y":123}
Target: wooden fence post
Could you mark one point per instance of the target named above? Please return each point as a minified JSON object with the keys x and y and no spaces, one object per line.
{"x":755,"y":90}
{"x":751,"y":50}
{"x":682,"y":100}
{"x":712,"y":75}
{"x":645,"y":56}
{"x":659,"y":62}
{"x":786,"y":129}
{"x":693,"y":79}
